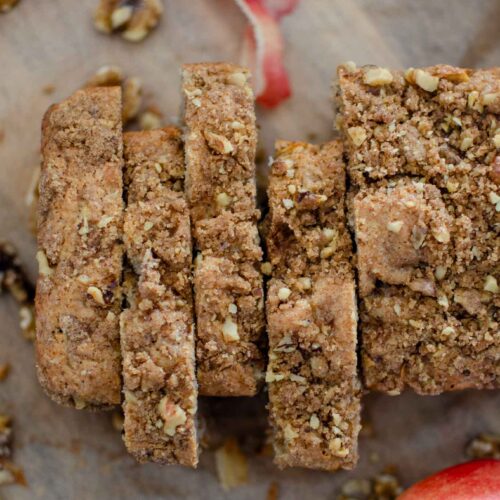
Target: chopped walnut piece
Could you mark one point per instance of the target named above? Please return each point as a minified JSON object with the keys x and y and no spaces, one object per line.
{"x":6,"y":476}
{"x":106,"y":76}
{"x":132,"y":98}
{"x":7,"y":5}
{"x":4,"y":371}
{"x":27,"y":321}
{"x":266,"y":268}
{"x":489,"y":98}
{"x":13,"y":279}
{"x":490,"y":284}
{"x":273,"y":491}
{"x":150,"y":119}
{"x":223,"y":200}
{"x":230,"y":330}
{"x":5,"y":435}
{"x":237,"y":78}
{"x":356,"y":488}
{"x":395,"y":226}
{"x":384,"y":486}
{"x":284,"y":293}
{"x":134,"y":19}
{"x":425,"y":80}
{"x":172,"y":414}
{"x":357,"y":134}
{"x":231,"y":464}
{"x":484,"y":446}
{"x":377,"y":76}
{"x":219,"y":143}
{"x":117,"y":420}
{"x":96,"y":294}
{"x":350,"y":66}
{"x":466,"y":143}
{"x":110,"y":76}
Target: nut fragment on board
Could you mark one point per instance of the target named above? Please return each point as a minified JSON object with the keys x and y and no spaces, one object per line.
{"x":133,"y":19}
{"x":13,"y":279}
{"x":484,"y":445}
{"x":117,"y":420}
{"x":273,"y":491}
{"x":9,"y":473}
{"x":31,"y":198}
{"x":383,"y":486}
{"x":109,"y":76}
{"x":4,"y":371}
{"x":5,"y":436}
{"x":7,"y":5}
{"x":150,"y":119}
{"x":231,"y":464}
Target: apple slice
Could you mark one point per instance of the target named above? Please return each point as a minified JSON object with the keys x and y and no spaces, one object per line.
{"x":476,"y":480}
{"x":263,"y":48}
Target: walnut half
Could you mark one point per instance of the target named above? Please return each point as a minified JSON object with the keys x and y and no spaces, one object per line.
{"x":134,"y":19}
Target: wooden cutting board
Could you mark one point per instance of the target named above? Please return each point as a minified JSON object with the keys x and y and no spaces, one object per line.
{"x":67,"y":454}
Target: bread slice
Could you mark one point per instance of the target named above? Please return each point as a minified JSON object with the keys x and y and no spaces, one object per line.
{"x":80,"y":217}
{"x":220,"y":186}
{"x":314,"y":391}
{"x":424,"y":167}
{"x":157,"y":327}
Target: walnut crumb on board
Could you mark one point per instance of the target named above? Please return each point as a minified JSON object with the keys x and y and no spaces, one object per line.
{"x":383,"y":486}
{"x":14,"y":280}
{"x":4,"y":371}
{"x":7,"y":5}
{"x":109,"y":76}
{"x":48,"y":89}
{"x":117,"y":420}
{"x":231,"y":464}
{"x":273,"y":491}
{"x":133,"y":19}
{"x":151,"y":118}
{"x":136,"y":115}
{"x":485,"y":445}
{"x":9,"y":473}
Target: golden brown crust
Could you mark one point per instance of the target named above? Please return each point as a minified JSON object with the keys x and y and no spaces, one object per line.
{"x":423,"y":163}
{"x":220,"y":185}
{"x":79,"y":231}
{"x":157,"y":329}
{"x":314,"y":391}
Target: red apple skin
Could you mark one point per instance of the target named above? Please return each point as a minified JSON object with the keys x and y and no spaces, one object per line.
{"x":476,"y":480}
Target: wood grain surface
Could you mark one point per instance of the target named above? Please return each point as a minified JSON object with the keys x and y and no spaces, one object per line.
{"x":68,"y":454}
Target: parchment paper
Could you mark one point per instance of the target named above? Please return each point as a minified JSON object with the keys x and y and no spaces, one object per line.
{"x":68,"y":454}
